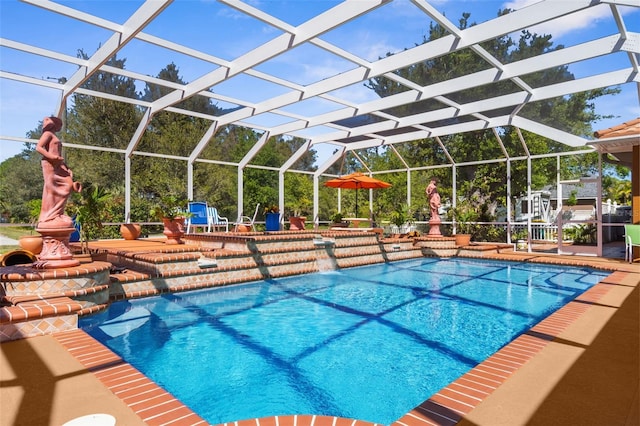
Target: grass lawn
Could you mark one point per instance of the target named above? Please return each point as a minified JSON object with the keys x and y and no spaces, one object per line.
{"x":13,"y":232}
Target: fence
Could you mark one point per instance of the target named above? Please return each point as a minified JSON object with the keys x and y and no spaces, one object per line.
{"x":540,"y":231}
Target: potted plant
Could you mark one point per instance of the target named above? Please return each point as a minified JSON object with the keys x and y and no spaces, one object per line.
{"x":88,"y":213}
{"x":272,"y":217}
{"x":297,"y":220}
{"x":464,"y":214}
{"x":520,"y":236}
{"x":401,"y":218}
{"x":172,"y":211}
{"x":337,"y":221}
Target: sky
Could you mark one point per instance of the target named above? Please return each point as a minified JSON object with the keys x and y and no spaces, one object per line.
{"x":225,"y":33}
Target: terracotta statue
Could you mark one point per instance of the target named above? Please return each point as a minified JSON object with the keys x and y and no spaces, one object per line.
{"x":434,"y":204}
{"x":58,"y":178}
{"x":434,"y":199}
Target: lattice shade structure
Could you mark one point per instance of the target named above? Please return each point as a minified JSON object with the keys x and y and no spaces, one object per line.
{"x":330,"y":108}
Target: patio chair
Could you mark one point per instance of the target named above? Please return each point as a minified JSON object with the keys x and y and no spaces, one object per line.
{"x":248,"y":221}
{"x":198,"y":215}
{"x":216,"y":221}
{"x":631,"y":240}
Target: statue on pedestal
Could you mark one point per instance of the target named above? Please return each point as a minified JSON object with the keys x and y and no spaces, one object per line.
{"x":434,"y":204}
{"x":53,"y":224}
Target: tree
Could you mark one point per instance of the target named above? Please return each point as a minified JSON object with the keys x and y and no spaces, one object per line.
{"x":485,"y":182}
{"x":172,"y":134}
{"x":104,"y":123}
{"x":21,"y":183}
{"x":617,"y":190}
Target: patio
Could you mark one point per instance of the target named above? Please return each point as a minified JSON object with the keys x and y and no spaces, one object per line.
{"x":583,"y":370}
{"x":577,"y":367}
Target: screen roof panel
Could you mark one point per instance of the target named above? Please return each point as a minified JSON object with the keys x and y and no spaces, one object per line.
{"x":312,"y":64}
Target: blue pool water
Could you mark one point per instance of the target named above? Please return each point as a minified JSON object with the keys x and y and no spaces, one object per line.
{"x":369,"y":343}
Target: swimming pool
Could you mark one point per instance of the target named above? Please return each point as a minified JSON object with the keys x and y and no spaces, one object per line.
{"x":369,"y":343}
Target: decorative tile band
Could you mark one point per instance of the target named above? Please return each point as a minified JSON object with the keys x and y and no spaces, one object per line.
{"x":37,"y":327}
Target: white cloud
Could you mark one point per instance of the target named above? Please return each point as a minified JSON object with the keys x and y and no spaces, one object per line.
{"x":231,"y":13}
{"x":588,"y":18}
{"x":379,"y":49}
{"x":623,"y":106}
{"x":369,"y":45}
{"x":319,"y":71}
{"x":356,"y":93}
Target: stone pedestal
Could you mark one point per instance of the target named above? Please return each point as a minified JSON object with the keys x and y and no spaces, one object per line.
{"x":434,"y":227}
{"x":55,"y":249}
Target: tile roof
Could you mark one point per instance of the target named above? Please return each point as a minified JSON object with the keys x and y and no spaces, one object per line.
{"x":625,"y":129}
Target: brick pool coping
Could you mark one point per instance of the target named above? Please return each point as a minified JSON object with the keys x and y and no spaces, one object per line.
{"x":447,"y":407}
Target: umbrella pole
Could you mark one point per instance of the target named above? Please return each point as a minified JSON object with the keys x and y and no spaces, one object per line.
{"x":356,"y":202}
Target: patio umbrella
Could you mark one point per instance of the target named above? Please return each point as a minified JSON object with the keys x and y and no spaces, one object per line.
{"x":356,"y":181}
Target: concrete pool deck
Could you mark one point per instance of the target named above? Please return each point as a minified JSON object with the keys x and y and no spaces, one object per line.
{"x":587,"y":375}
{"x":43,"y":384}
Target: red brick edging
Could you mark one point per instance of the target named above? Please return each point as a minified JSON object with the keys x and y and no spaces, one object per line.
{"x":447,"y":407}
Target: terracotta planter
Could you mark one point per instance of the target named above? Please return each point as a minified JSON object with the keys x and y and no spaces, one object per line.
{"x":242,"y":228}
{"x":296,"y":223}
{"x":173,"y":230}
{"x":463,"y":239}
{"x":130,"y":231}
{"x":31,"y":243}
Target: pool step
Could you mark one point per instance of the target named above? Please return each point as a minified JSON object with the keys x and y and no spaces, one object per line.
{"x":197,"y":264}
{"x":205,"y":260}
{"x":36,"y":315}
{"x":248,"y":257}
{"x":368,"y":248}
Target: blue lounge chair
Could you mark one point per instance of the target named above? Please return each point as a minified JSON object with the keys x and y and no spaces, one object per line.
{"x":198,"y":216}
